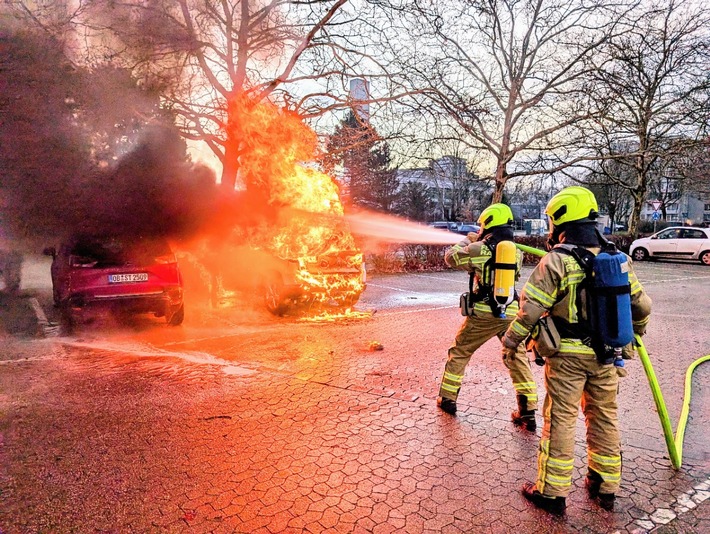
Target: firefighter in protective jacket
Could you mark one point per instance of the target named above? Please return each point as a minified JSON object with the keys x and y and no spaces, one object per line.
{"x":487,"y":319}
{"x":574,"y":372}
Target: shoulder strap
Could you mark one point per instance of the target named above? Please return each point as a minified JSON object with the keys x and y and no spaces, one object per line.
{"x":584,"y":330}
{"x":488,"y":269}
{"x":583,"y":256}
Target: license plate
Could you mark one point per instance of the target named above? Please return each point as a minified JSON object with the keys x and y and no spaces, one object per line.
{"x":132,"y":277}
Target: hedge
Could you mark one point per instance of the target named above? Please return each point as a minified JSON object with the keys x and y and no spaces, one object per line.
{"x":419,"y":258}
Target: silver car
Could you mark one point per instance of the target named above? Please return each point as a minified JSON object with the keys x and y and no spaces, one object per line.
{"x":677,"y":242}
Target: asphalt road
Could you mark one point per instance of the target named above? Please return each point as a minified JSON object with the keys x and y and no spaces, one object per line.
{"x":241,"y":422}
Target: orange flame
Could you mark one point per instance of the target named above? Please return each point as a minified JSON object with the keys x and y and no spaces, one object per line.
{"x":308,"y":252}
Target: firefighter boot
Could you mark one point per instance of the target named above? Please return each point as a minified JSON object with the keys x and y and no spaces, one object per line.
{"x":594,"y":481}
{"x":447,"y":405}
{"x":554,"y":505}
{"x":523,"y":417}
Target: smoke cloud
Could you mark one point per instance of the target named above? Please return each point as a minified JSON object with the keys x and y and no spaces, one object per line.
{"x":78,"y":160}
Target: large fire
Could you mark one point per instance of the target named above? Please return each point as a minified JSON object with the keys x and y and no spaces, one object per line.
{"x":295,"y":244}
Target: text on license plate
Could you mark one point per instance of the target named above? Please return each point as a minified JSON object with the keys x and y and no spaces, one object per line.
{"x":132,"y":277}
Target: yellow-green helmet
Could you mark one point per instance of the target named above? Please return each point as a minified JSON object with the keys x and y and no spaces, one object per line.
{"x":495,"y":215}
{"x":571,"y":204}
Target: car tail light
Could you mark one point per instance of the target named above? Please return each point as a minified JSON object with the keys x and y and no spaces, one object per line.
{"x":166,"y":258}
{"x":84,"y":262}
{"x":175,"y":295}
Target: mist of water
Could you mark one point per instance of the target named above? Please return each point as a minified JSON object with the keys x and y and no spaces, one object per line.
{"x":393,"y":229}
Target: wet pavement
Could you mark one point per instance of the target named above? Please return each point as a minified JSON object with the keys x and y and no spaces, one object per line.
{"x":241,"y":422}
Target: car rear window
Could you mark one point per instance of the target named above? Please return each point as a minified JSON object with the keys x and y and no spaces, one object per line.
{"x":693,"y":234}
{"x":119,"y":250}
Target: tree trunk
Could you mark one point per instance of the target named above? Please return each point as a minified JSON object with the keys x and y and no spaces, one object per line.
{"x":635,"y":216}
{"x":501,"y":179}
{"x":230,"y":165}
{"x":639,"y":196}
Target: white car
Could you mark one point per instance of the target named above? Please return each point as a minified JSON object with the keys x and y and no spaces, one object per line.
{"x":677,"y":242}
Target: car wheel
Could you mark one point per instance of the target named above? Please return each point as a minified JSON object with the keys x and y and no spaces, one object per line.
{"x":274,"y":296}
{"x":640,"y":254}
{"x":705,"y":257}
{"x":347,"y":301}
{"x":67,"y":320}
{"x":178,"y":317}
{"x":56,"y":298}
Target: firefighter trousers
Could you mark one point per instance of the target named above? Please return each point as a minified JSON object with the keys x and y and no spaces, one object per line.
{"x":474,"y":332}
{"x":572,"y":378}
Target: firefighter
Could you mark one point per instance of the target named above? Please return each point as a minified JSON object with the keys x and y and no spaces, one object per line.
{"x":487,"y":319}
{"x":574,"y":373}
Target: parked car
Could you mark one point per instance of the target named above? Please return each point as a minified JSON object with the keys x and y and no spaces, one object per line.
{"x":466,"y":228}
{"x":677,"y":242}
{"x":456,"y":227}
{"x":129,"y":274}
{"x":444,"y":225}
{"x":617,"y":228}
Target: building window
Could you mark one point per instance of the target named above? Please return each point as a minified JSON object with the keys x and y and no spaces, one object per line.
{"x":707,"y":207}
{"x":706,"y":217}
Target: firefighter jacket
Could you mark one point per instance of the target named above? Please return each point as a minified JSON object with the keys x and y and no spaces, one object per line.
{"x":552,"y":288}
{"x":473,"y":257}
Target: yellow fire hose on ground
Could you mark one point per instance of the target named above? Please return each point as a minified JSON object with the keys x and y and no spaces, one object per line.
{"x":674,"y":444}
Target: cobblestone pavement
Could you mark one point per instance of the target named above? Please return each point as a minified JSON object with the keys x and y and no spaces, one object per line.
{"x":238,"y":422}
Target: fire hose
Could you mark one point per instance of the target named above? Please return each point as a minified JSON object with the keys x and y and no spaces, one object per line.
{"x":673,"y":444}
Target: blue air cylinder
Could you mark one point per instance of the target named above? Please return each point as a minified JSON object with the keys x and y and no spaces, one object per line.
{"x":613,"y":299}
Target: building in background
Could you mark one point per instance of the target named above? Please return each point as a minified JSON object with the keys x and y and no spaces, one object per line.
{"x":455,"y":192}
{"x":689,"y":208}
{"x":359,"y":97}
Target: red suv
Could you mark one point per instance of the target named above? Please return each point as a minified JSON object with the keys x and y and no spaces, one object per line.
{"x":131,"y":274}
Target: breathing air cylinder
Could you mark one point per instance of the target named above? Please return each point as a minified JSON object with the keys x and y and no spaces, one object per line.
{"x":504,"y":279}
{"x":613,"y":298}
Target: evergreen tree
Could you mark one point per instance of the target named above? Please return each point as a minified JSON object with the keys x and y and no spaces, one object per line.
{"x":364,"y":157}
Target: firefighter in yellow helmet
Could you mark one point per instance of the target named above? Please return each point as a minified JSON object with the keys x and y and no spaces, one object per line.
{"x":575,"y":372}
{"x":487,"y":319}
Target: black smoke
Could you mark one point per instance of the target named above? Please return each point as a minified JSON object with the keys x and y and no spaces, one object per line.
{"x":90,"y":151}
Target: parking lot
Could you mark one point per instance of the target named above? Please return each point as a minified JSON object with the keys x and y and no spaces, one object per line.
{"x":238,"y":421}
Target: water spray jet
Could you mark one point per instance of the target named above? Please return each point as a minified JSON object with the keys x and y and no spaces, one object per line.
{"x":392,"y":229}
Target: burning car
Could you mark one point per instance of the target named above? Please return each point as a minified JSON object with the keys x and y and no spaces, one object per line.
{"x":315,"y":262}
{"x":335,"y":278}
{"x":283,"y":281}
{"x":129,"y":274}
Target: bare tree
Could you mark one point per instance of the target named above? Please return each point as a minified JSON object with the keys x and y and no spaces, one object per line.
{"x":212,"y":60}
{"x":612,"y":198}
{"x":653,"y":83}
{"x":506,"y":75}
